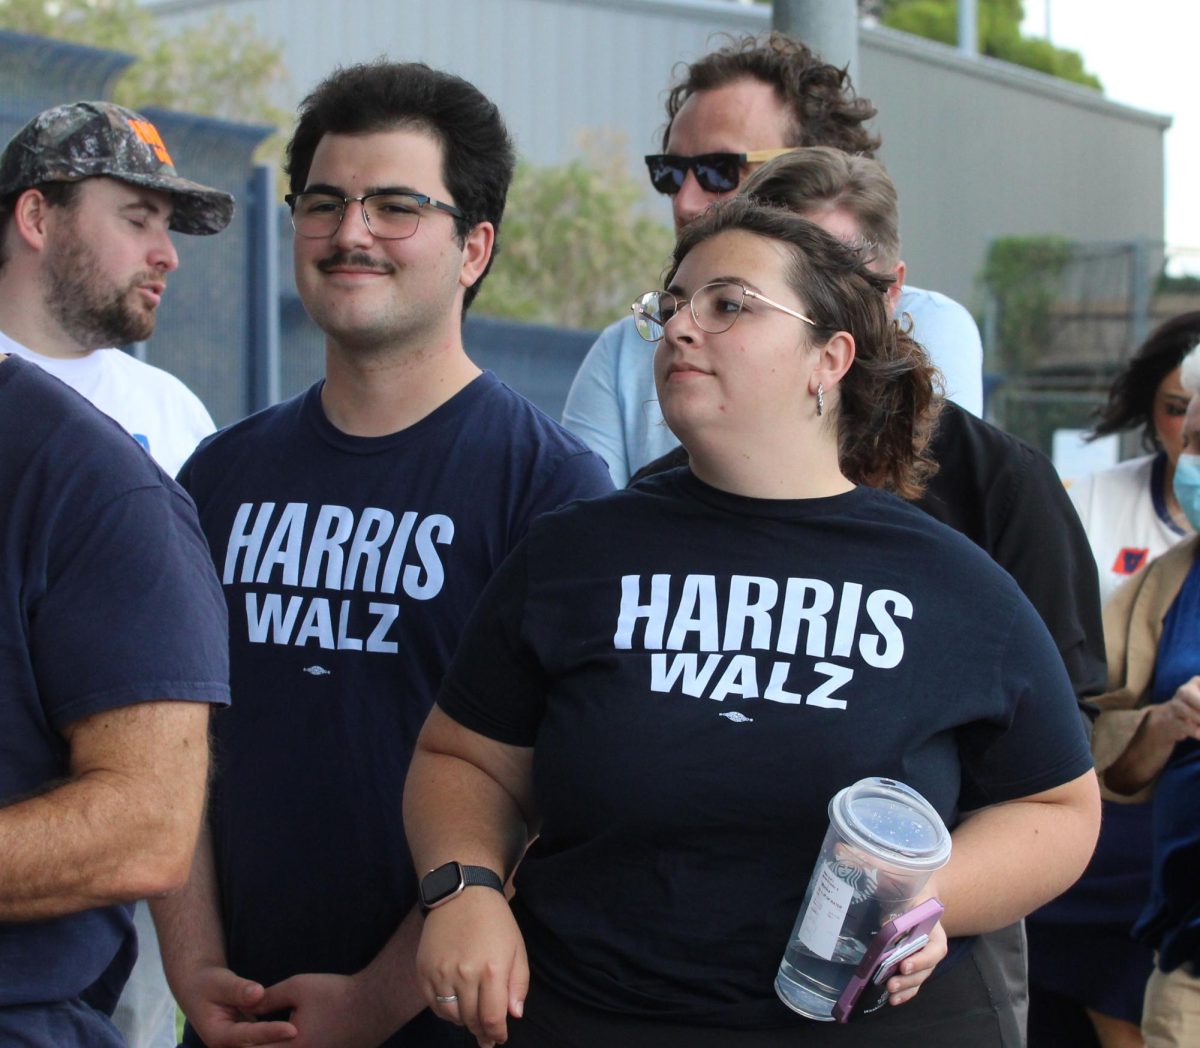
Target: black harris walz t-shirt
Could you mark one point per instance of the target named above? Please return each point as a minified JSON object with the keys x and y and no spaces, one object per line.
{"x":699,"y":673}
{"x":350,"y":565}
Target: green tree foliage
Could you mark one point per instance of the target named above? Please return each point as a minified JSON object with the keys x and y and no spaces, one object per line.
{"x":1022,"y":274}
{"x":576,"y":247}
{"x":219,"y":67}
{"x":999,"y":26}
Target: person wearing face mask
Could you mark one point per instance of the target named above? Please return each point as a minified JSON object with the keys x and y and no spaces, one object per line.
{"x":1087,"y":975}
{"x":1130,"y":511}
{"x":1147,"y":742}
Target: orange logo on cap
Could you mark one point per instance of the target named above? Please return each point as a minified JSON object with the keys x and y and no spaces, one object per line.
{"x":148,"y":133}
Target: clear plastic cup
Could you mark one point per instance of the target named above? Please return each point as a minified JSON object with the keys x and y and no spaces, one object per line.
{"x":883,"y":843}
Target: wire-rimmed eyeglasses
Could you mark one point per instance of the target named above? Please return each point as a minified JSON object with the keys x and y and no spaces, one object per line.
{"x":389,"y":216}
{"x":714,"y":307}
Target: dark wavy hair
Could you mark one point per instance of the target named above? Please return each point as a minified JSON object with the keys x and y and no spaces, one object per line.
{"x":478,"y":157}
{"x":1131,"y":396}
{"x":887,"y":407}
{"x":824,"y":108}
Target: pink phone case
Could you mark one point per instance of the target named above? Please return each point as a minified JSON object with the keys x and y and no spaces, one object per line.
{"x":883,"y":956}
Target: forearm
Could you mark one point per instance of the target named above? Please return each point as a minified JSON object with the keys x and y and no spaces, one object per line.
{"x":188,"y":922}
{"x":1011,"y":858}
{"x":454,"y":811}
{"x":391,"y":978}
{"x":69,"y":850}
{"x":120,"y":829}
{"x":1143,"y":759}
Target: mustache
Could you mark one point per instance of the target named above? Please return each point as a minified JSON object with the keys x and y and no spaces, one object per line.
{"x":354,"y":258}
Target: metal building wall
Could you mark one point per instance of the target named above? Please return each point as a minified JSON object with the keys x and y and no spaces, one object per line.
{"x":1004,"y":151}
{"x":977,"y":148}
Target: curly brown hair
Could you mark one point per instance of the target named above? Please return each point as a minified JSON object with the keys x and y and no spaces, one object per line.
{"x":825,"y":110}
{"x":887,"y":406}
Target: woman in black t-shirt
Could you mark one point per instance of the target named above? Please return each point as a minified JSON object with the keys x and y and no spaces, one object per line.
{"x":668,"y":684}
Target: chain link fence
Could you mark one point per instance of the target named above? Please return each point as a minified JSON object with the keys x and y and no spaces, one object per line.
{"x":1062,"y":318}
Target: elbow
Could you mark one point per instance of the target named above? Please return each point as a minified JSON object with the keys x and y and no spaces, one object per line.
{"x":171,"y":871}
{"x":1124,"y":787}
{"x":162,"y":868}
{"x":160,"y":861}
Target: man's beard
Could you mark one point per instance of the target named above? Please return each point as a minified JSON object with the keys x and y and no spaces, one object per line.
{"x":94,"y":315}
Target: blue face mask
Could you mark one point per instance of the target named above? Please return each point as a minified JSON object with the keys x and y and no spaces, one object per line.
{"x":1187,"y":487}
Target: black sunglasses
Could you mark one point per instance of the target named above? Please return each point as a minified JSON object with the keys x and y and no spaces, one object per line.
{"x":715,"y":172}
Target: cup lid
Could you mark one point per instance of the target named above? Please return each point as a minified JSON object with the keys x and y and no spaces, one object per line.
{"x":893,"y":822}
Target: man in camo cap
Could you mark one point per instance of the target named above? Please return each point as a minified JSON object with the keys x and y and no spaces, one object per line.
{"x":88,"y":195}
{"x":81,"y":140}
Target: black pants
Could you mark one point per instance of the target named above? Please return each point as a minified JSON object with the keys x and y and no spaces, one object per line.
{"x":953,"y":1010}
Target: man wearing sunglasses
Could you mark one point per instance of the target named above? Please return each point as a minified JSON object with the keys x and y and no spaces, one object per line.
{"x":733,"y":110}
{"x":353,"y":528}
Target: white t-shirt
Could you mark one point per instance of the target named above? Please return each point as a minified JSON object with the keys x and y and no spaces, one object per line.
{"x":1125,"y":518}
{"x":613,"y":406}
{"x":152,"y":405}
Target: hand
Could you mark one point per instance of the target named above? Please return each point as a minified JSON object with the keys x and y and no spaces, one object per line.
{"x":914,"y":970}
{"x":220,"y":1005}
{"x":329,"y":1011}
{"x":472,"y":948}
{"x":1179,"y":717}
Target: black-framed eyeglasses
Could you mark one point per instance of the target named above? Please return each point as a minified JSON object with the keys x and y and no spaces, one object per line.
{"x":715,"y":172}
{"x":389,"y":216}
{"x":714,"y":307}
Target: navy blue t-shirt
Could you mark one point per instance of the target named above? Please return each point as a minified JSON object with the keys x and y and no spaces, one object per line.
{"x":698,"y":674}
{"x":1171,"y":921}
{"x":350,"y":565}
{"x":107,"y":599}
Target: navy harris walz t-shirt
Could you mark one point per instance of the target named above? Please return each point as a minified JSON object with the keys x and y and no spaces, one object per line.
{"x":350,"y":565}
{"x":698,"y":674}
{"x":108,"y":598}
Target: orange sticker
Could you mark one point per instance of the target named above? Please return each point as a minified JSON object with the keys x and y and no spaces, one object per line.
{"x":1130,"y":561}
{"x":148,"y":133}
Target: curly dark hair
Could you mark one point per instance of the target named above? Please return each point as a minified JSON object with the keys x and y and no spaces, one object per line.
{"x":825,"y":110}
{"x":887,"y":407}
{"x":1131,"y":397}
{"x":478,"y":156}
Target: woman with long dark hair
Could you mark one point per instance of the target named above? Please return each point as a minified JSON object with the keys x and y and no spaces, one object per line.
{"x":1130,"y":511}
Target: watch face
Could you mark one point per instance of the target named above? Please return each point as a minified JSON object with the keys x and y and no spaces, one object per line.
{"x":440,"y":884}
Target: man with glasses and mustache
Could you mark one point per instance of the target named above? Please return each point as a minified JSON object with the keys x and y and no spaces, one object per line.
{"x":353,"y":528}
{"x":734,"y":109}
{"x":90,"y":195}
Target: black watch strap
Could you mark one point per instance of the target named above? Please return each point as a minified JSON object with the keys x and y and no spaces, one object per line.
{"x":451,"y":879}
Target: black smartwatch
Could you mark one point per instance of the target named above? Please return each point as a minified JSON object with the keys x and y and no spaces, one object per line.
{"x":447,"y":881}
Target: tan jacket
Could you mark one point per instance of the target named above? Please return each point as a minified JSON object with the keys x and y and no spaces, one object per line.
{"x":1133,"y":624}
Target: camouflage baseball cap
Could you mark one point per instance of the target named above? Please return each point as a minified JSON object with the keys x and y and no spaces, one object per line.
{"x":85,"y":139}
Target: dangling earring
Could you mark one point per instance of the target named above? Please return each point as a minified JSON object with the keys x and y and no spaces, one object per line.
{"x":820,"y":399}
